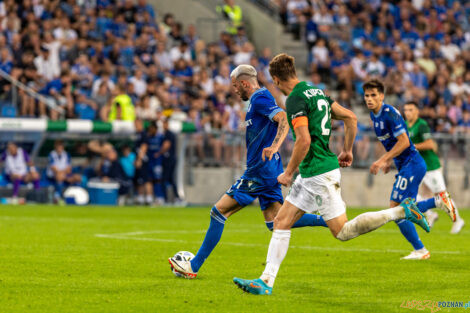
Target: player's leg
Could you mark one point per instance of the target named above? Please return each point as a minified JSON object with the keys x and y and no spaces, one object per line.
{"x":406,"y":185}
{"x":271,"y":201}
{"x":222,"y":210}
{"x":16,"y":181}
{"x":436,"y":184}
{"x":278,"y":246}
{"x":32,"y":176}
{"x":234,"y":200}
{"x":423,"y":194}
{"x":59,"y":184}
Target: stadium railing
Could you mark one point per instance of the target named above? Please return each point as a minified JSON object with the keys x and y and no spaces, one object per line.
{"x":31,"y":92}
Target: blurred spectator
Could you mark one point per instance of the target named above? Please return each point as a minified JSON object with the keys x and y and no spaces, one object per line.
{"x":120,"y":108}
{"x":169,"y":161}
{"x":110,"y":170}
{"x":233,"y":13}
{"x":127,"y":161}
{"x":59,"y":170}
{"x":19,"y":168}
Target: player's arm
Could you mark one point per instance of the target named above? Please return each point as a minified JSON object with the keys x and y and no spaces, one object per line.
{"x":273,"y":90}
{"x":403,"y":142}
{"x":165,"y":147}
{"x":301,"y":147}
{"x":282,"y":129}
{"x":428,"y":144}
{"x":350,"y":129}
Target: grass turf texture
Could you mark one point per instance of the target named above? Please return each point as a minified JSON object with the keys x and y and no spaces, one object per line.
{"x":52,"y":260}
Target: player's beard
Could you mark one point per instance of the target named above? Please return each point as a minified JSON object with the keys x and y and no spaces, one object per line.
{"x":244,"y":95}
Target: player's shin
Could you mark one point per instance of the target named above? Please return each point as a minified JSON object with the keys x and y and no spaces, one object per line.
{"x":427,"y":204}
{"x":213,"y":235}
{"x":276,"y":253}
{"x":369,"y":221}
{"x":409,"y":231}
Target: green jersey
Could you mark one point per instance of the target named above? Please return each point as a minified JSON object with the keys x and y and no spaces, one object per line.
{"x":311,"y":102}
{"x":419,"y":133}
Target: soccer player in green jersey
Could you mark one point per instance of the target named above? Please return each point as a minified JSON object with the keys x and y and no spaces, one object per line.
{"x":317,"y":188}
{"x":420,"y":135}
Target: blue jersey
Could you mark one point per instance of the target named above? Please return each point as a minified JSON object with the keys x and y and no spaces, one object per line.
{"x":388,"y":125}
{"x":260,"y":133}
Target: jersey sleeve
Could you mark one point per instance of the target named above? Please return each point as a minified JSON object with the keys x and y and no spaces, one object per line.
{"x":396,"y":123}
{"x":296,"y":107}
{"x":329,"y":100}
{"x":425,"y":131}
{"x":266,"y":106}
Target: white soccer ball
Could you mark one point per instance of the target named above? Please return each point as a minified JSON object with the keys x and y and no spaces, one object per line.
{"x":182,"y":256}
{"x":76,"y":195}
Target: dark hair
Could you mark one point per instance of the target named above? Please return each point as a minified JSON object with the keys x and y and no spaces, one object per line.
{"x":374,"y":83}
{"x":412,"y":103}
{"x":283,"y":67}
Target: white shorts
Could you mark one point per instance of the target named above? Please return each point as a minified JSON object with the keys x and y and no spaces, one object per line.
{"x":320,"y":193}
{"x":434,"y":180}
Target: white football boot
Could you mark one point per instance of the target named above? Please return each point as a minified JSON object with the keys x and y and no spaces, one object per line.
{"x":457,"y":226}
{"x":182,"y":267}
{"x":421,"y":254}
{"x":444,"y":202}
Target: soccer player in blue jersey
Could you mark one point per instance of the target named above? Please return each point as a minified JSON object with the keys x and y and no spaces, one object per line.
{"x":392,"y":132}
{"x":266,"y":129}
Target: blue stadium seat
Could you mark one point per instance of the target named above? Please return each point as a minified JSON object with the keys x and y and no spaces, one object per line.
{"x":8,"y":111}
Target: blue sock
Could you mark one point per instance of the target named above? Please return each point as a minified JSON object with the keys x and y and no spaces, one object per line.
{"x":409,"y":231}
{"x":59,"y":188}
{"x":310,"y":220}
{"x":213,"y":235}
{"x":270,"y":225}
{"x":425,"y":205}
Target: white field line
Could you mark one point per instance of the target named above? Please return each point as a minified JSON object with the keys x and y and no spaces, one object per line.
{"x":241,"y":244}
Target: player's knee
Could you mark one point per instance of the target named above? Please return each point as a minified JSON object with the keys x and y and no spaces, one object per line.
{"x":280,"y":223}
{"x":342,"y":234}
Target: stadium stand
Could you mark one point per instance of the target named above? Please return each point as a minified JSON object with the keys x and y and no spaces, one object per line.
{"x":103,"y":61}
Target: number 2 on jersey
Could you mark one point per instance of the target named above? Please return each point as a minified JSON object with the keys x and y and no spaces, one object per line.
{"x":323,"y":104}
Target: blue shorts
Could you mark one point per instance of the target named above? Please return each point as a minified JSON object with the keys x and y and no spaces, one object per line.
{"x":245,"y":191}
{"x":408,"y":179}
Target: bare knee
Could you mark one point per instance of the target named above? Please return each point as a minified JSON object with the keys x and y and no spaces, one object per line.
{"x":281,"y":223}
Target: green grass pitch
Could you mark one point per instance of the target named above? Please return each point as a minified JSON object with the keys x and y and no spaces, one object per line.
{"x":106,"y":259}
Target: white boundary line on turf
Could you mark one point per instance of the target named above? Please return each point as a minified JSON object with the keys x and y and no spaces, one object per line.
{"x":126,"y":236}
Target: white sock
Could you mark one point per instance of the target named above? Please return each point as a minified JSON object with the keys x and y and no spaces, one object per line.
{"x":276,"y":253}
{"x":140,"y":199}
{"x":149,"y":198}
{"x":369,"y":221}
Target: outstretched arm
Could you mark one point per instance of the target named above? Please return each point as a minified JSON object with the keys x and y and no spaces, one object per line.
{"x":301,"y":147}
{"x":428,"y":144}
{"x":384,"y":161}
{"x":282,"y":130}
{"x":350,"y":128}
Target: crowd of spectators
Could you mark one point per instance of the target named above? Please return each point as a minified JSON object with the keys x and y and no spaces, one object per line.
{"x":420,"y":48}
{"x":106,"y":60}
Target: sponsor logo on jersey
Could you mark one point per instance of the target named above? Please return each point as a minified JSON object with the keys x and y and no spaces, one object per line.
{"x":248,"y":122}
{"x":293,"y":116}
{"x":384,"y":137}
